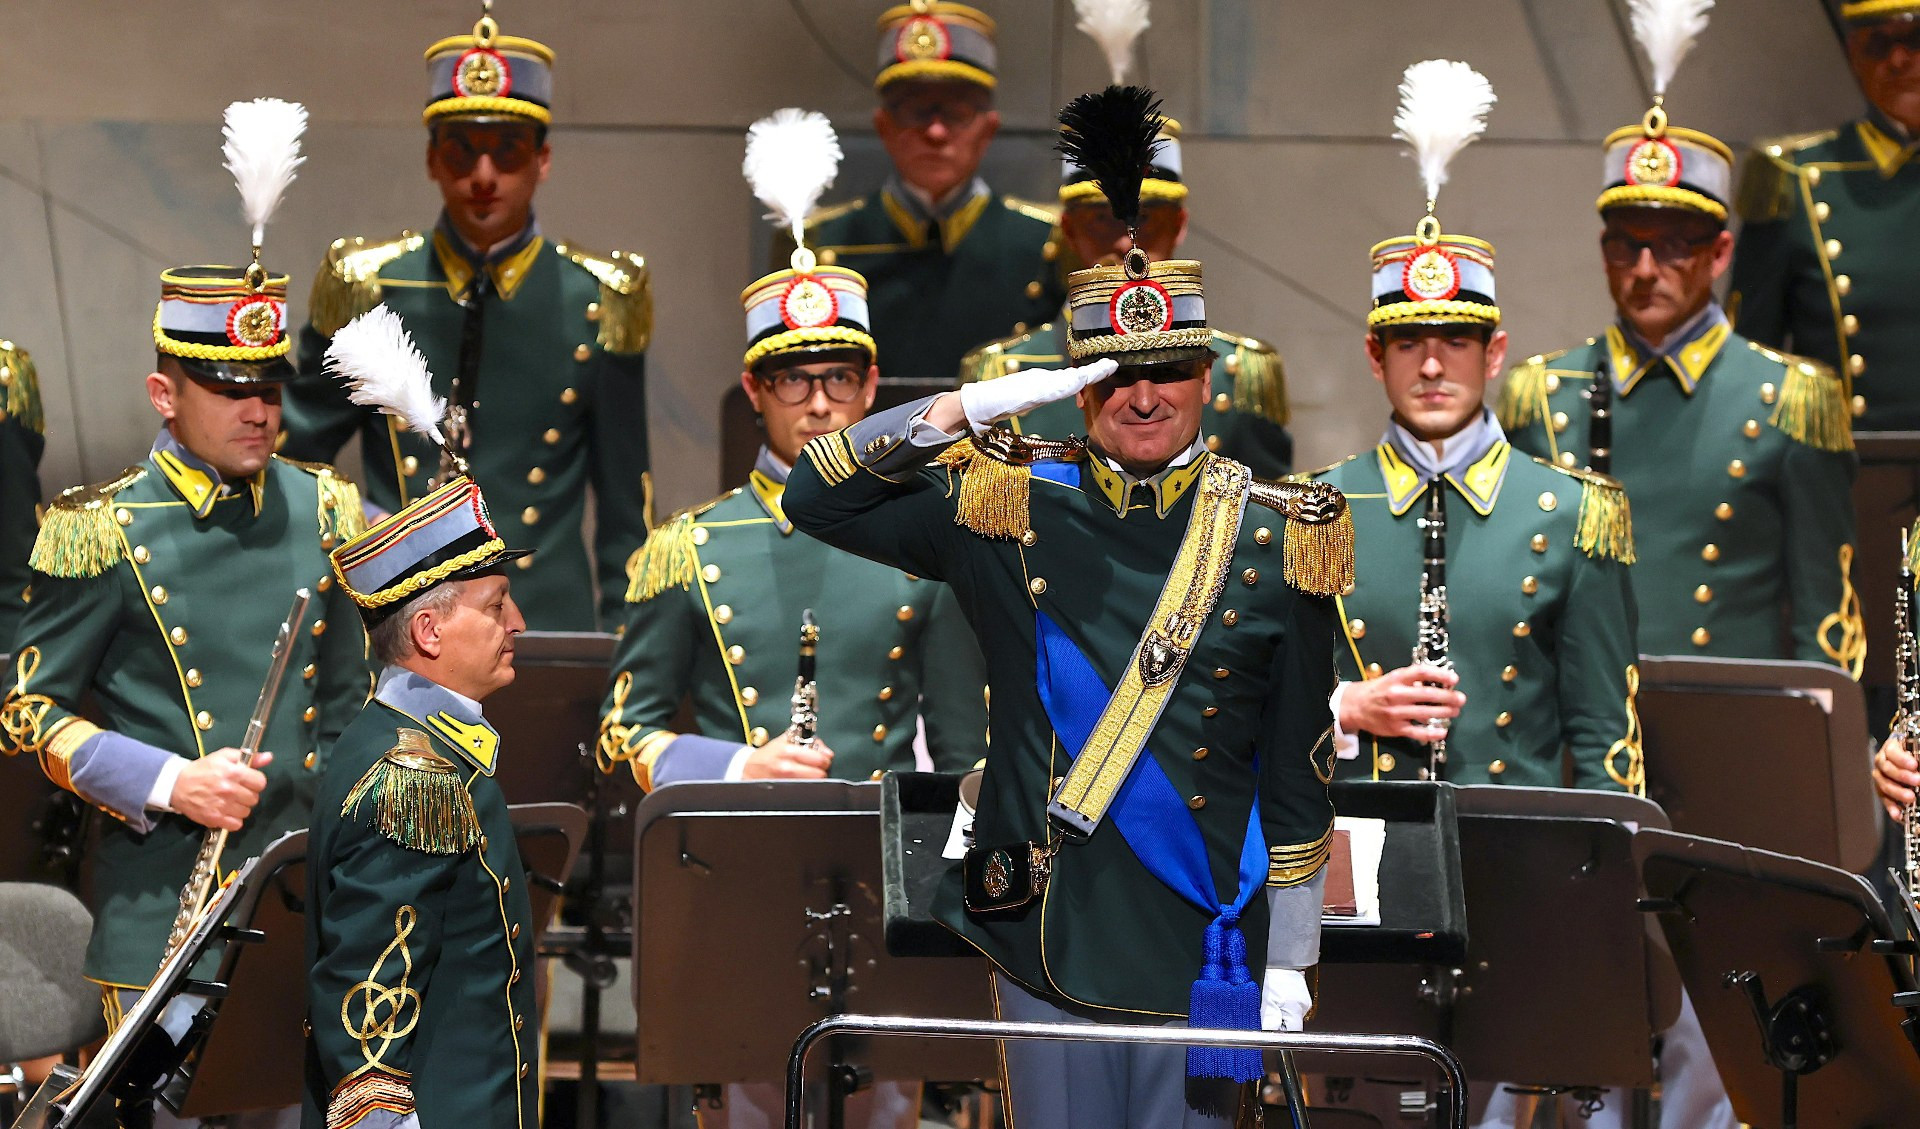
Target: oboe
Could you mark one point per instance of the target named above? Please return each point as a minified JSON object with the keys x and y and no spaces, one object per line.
{"x":1430,"y":646}
{"x":1906,"y":719}
{"x":1600,"y":424}
{"x":806,"y":693}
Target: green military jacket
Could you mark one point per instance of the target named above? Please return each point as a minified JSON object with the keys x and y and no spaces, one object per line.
{"x":714,"y":607}
{"x":419,"y":930}
{"x":1540,"y":616}
{"x":160,"y":597}
{"x":1248,"y":420}
{"x":1739,"y":465}
{"x":988,"y":272}
{"x":1823,"y":265}
{"x":1069,"y":538}
{"x":561,"y":393}
{"x":23,"y":438}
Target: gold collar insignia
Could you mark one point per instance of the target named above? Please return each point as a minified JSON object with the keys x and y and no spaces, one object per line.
{"x":507,"y":273}
{"x":1479,"y":483}
{"x":198,"y":488}
{"x":1167,"y":486}
{"x":477,"y":742}
{"x":769,"y":494}
{"x":1689,"y":365}
{"x":1889,"y":153}
{"x":953,"y":228}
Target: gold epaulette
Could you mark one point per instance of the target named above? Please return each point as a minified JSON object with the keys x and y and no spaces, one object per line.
{"x":341,"y":512}
{"x":1523,"y":394}
{"x":1605,"y":529}
{"x":996,"y":478}
{"x":419,"y":800}
{"x":1770,"y":178}
{"x":1031,"y":210}
{"x":626,"y":296}
{"x":833,"y":212}
{"x":21,"y":387}
{"x":79,"y":537}
{"x":1319,"y":534}
{"x":348,"y":284}
{"x":1259,"y":378}
{"x":669,"y":558}
{"x":1812,"y":407}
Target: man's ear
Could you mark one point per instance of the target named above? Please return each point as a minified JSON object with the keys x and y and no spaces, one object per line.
{"x":1496,"y":355}
{"x":1376,"y":357}
{"x":425,"y":629}
{"x":752,"y":388}
{"x":872,"y":387}
{"x":160,"y":391}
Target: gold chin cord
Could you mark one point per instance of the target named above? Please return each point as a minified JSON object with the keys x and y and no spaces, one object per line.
{"x":206,"y":866}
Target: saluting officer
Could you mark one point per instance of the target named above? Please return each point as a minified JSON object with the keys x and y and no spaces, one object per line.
{"x":23,"y":438}
{"x":1823,"y":266}
{"x":160,"y":593}
{"x":1537,"y":613}
{"x":718,"y":592}
{"x":949,"y":262}
{"x":539,"y":346}
{"x":1248,"y":384}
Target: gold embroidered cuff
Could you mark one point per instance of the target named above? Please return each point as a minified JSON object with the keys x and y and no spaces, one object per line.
{"x":1293,"y":865}
{"x":65,"y":739}
{"x":369,"y":1089}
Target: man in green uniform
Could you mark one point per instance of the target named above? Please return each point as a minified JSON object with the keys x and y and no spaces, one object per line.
{"x":1823,"y":267}
{"x":1739,"y":460}
{"x":159,"y":593}
{"x":1128,"y":560}
{"x":23,"y":437}
{"x":419,"y":929}
{"x":1532,"y":605}
{"x":949,"y":262}
{"x":538,"y":345}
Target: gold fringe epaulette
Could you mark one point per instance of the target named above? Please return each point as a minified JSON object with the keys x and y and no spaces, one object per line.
{"x":1812,"y":407}
{"x":1605,"y":528}
{"x":626,"y":297}
{"x":348,"y":284}
{"x":419,"y":800}
{"x":20,"y":384}
{"x":996,"y":479}
{"x":1259,"y":378}
{"x":79,"y":537}
{"x":1523,"y":394}
{"x":341,"y":512}
{"x":1769,"y":178}
{"x":1031,"y":210}
{"x":669,"y":558}
{"x":1319,"y":534}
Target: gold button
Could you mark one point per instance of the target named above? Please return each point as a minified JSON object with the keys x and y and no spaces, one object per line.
{"x":311,"y":760}
{"x":829,"y":256}
{"x":1702,"y":594}
{"x":1709,"y":552}
{"x":525,"y":563}
{"x":1508,"y":673}
{"x":1200,"y":753}
{"x":140,"y":554}
{"x":1037,"y":586}
{"x":1859,"y":405}
{"x":319,"y":628}
{"x":1832,"y":248}
{"x":1223,"y":403}
{"x":159,"y":594}
{"x":1768,"y":393}
{"x":1502,"y":719}
{"x":483,"y":842}
{"x":700,"y":536}
{"x":1357,"y":628}
{"x":536,"y":476}
{"x":1210,"y":711}
{"x":308,"y":671}
{"x":1233,"y":364}
{"x":309,"y":714}
{"x":879,"y":733}
{"x":193,"y":676}
{"x":326,"y":540}
{"x":1522,"y":629}
{"x":1220,"y":672}
{"x":506,"y":884}
{"x":1049,"y":250}
{"x":1263,"y":536}
{"x":1548,"y":501}
{"x":896,"y":652}
{"x":1842,"y":284}
{"x":736,"y":654}
{"x":1230,"y":617}
{"x":1495,"y":768}
{"x":523,"y":1070}
{"x":530,"y":515}
{"x":326,"y":582}
{"x":1751,"y":429}
{"x":1033,"y":289}
{"x":123,"y":515}
{"x":758,"y":737}
{"x":1553,"y":382}
{"x":723,"y":614}
{"x":1850,"y":324}
{"x":710,"y":574}
{"x":1737,"y":468}
{"x":749,"y":695}
{"x":203,"y":719}
{"x":1539,"y":542}
{"x":1566,"y":458}
{"x":1029,"y":538}
{"x":1250,"y":577}
{"x":1559,"y":421}
{"x":886,"y":694}
{"x":519,"y":1021}
{"x":906,"y":610}
{"x":515,"y":978}
{"x":568,"y":395}
{"x":1813,"y":176}
{"x":1386,"y":762}
{"x":581,"y":352}
{"x":1019,"y":327}
{"x":1856,"y":364}
{"x":1700,"y":637}
{"x":1013,"y":365}
{"x":1822,"y":209}
{"x":179,"y":636}
{"x":1373,"y":670}
{"x":1213,"y":442}
{"x":514,"y":933}
{"x":1723,"y":511}
{"x":551,"y":436}
{"x":410,"y":465}
{"x":1197,"y":802}
{"x":1530,"y":585}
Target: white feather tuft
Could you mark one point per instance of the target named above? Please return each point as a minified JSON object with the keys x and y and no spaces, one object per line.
{"x":1443,"y":106}
{"x":1114,"y":25}
{"x":792,"y":157}
{"x":382,"y":369}
{"x":1666,"y":30}
{"x":262,"y":149}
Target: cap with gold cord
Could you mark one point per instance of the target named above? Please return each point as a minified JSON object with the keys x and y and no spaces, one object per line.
{"x":1433,"y":277}
{"x":935,"y":40}
{"x":1656,"y":164}
{"x":487,"y":75}
{"x":1874,"y":11}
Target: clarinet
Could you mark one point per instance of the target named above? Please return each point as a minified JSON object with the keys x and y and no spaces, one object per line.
{"x":1906,"y":719}
{"x":806,"y":693}
{"x":1430,"y":646}
{"x":1600,"y":424}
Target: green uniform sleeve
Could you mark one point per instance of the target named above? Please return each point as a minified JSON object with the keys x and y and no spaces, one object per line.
{"x":64,"y":638}
{"x":1762,"y":256}
{"x":316,"y":415}
{"x":1263,"y":445}
{"x":953,"y":680}
{"x":619,"y":471}
{"x":1816,"y":494}
{"x":652,"y":675}
{"x":867,"y":490}
{"x":1296,"y":744}
{"x":1596,"y":646}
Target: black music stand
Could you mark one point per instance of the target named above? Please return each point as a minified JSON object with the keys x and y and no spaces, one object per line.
{"x":1886,"y":498}
{"x":1792,"y":967}
{"x":1772,"y":753}
{"x":250,"y":1050}
{"x":758,"y":910}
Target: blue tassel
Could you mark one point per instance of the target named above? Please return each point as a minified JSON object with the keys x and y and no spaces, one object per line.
{"x":1224,"y":996}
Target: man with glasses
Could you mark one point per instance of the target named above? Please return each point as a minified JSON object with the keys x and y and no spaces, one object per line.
{"x":538,"y":346}
{"x":1824,"y":266}
{"x":1739,"y":460}
{"x":949,"y":262}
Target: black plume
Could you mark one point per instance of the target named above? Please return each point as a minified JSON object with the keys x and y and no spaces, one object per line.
{"x":1114,"y":135}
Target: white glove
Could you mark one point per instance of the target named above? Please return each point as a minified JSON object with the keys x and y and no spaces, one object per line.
{"x":987,"y":402}
{"x":1284,"y":1000}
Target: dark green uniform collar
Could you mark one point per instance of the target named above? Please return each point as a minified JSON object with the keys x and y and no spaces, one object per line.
{"x":507,"y":265}
{"x":915,"y":220}
{"x":1476,"y":468}
{"x":194,"y":479}
{"x":1116,"y":487}
{"x":1687,"y":354}
{"x":1888,"y":145}
{"x":454,"y":718}
{"x":768,"y":484}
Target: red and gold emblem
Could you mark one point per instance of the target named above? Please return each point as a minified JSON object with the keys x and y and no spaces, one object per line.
{"x":808,"y":303}
{"x":482,"y":73}
{"x":1654,"y":161}
{"x":922,"y":37}
{"x":1141,"y":306}
{"x":1431,"y":276}
{"x":255,"y":323}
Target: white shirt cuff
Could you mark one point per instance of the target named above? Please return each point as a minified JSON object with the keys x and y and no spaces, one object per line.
{"x":160,"y":796}
{"x":920,"y":433}
{"x":1346,"y":746}
{"x":737,"y":766}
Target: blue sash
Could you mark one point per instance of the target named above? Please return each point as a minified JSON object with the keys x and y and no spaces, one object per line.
{"x":1161,"y":831}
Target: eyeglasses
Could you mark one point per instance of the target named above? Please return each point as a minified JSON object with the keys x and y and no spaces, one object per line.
{"x":459,"y":149}
{"x":794,"y":387}
{"x":1879,"y":41}
{"x":919,"y":113}
{"x":1668,"y":250}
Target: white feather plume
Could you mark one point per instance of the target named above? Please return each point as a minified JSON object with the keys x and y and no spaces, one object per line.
{"x":262,"y":149}
{"x":1443,"y":106}
{"x":1666,"y":30}
{"x":1114,"y":25}
{"x":792,"y":157}
{"x":382,"y":369}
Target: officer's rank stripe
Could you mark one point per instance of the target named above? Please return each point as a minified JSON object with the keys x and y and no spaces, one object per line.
{"x":832,"y":456}
{"x":1290,"y":866}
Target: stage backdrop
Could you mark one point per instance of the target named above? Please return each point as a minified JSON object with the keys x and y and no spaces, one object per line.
{"x":109,"y":167}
